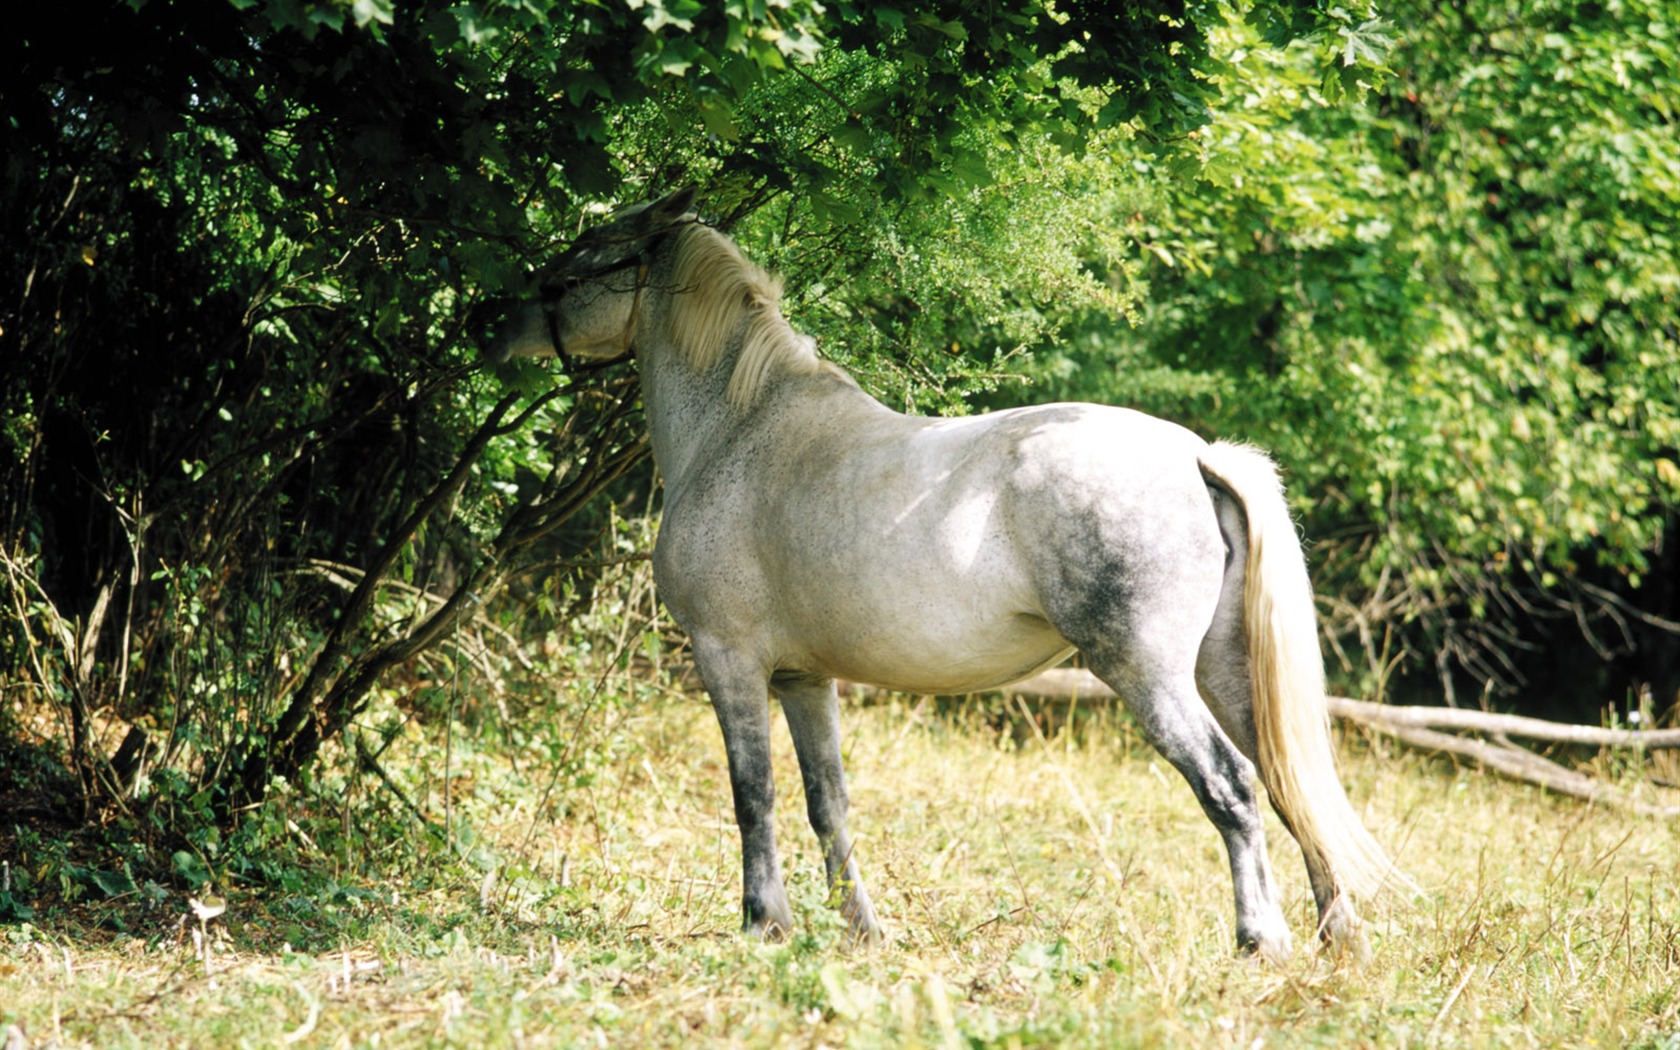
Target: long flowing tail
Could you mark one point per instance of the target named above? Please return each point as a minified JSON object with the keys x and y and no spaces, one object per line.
{"x":1297,"y":755}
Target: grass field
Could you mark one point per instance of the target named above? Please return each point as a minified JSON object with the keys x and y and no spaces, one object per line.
{"x":1038,"y":892}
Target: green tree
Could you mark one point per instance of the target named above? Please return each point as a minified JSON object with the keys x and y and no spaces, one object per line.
{"x":250,"y":460}
{"x":1455,"y":315}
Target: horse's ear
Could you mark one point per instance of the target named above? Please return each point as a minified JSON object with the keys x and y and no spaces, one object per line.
{"x":670,"y":208}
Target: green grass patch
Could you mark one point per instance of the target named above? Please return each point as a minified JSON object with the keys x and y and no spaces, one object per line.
{"x":1067,"y":893}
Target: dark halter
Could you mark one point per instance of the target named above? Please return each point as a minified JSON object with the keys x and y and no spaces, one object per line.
{"x":642,"y":262}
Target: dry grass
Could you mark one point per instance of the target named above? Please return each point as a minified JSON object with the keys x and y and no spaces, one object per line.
{"x":1062,"y":893}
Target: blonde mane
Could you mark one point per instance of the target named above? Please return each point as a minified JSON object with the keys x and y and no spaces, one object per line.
{"x":714,"y":284}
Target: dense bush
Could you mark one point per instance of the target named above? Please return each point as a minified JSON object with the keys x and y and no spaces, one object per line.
{"x":251,"y":466}
{"x":1454,"y":314}
{"x":250,"y":463}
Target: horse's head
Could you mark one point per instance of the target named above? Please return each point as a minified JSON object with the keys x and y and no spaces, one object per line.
{"x":588,"y":298}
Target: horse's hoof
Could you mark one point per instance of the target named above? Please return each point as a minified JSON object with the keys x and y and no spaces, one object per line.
{"x":769,"y":929}
{"x":1273,"y":948}
{"x":864,"y":938}
{"x":1348,"y":945}
{"x":769,"y":933}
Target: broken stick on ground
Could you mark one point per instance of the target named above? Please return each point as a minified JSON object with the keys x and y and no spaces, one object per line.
{"x":1443,"y":729}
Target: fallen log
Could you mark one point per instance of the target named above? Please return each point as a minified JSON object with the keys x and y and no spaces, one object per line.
{"x":1437,"y":729}
{"x":1365,"y":712}
{"x":1518,"y":764}
{"x":1068,"y":683}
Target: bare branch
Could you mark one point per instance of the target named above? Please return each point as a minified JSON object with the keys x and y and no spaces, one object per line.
{"x":1526,"y":766}
{"x":1387,"y":716}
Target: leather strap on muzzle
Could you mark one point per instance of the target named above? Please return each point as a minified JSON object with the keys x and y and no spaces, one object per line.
{"x":552,"y":315}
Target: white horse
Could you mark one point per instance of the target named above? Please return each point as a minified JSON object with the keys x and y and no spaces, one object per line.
{"x":810,"y":533}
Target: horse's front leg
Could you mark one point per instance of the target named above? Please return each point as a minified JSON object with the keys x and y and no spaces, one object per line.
{"x":813,"y":712}
{"x":741,"y":699}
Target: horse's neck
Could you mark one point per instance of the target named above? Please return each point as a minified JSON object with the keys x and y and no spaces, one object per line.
{"x":691,"y":420}
{"x":686,"y":410}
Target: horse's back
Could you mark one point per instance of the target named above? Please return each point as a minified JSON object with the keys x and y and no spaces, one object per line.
{"x":943,"y":554}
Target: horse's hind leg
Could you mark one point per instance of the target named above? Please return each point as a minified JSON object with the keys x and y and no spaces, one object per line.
{"x":1222,"y":673}
{"x":813,"y":713}
{"x":1145,"y":649}
{"x":1139,"y":619}
{"x":1176,"y":722}
{"x":741,"y":699}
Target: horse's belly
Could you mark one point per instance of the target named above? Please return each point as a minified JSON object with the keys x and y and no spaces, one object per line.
{"x":943,"y":652}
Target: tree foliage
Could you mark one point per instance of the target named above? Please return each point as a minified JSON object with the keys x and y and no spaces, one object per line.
{"x":1453,"y":314}
{"x":251,"y":465}
{"x":249,"y":461}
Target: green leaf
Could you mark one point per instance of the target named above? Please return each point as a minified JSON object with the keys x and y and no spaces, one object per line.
{"x":366,"y":11}
{"x":971,"y":166}
{"x":12,"y":909}
{"x":190,"y":869}
{"x":113,"y":883}
{"x":719,"y":119}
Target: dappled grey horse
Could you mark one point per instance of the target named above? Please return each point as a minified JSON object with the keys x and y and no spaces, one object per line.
{"x":810,"y":533}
